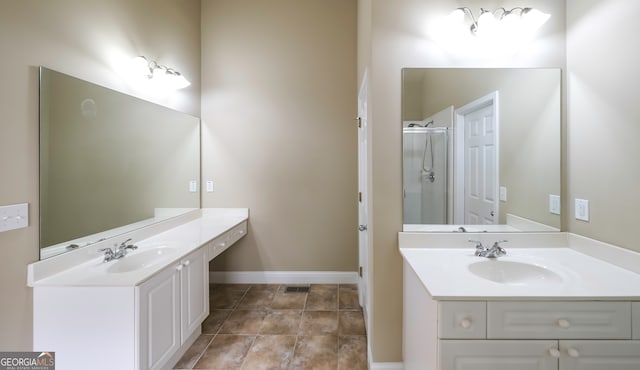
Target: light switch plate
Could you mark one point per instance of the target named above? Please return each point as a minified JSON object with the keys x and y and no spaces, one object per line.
{"x":582,"y":209}
{"x":554,"y":204}
{"x":503,"y":193}
{"x":209,"y":186}
{"x":13,"y":217}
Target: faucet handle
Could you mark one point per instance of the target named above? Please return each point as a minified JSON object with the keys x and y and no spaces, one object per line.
{"x":123,"y":245}
{"x":497,"y":243}
{"x":479,"y":247}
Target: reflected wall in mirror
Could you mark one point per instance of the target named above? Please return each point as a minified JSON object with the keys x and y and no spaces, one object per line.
{"x":110,"y":163}
{"x":481,"y":149}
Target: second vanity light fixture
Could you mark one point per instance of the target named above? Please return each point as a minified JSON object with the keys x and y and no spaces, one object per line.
{"x":514,"y":24}
{"x":159,"y":74}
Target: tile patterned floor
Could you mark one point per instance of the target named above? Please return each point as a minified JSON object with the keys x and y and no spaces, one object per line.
{"x":264,"y":327}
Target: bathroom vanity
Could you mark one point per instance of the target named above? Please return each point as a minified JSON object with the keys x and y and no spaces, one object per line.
{"x":550,"y":303}
{"x":138,"y":312}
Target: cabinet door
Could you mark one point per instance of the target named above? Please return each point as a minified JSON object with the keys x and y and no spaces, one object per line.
{"x":159,"y":318}
{"x":498,"y":355}
{"x":195,"y":291}
{"x":600,"y":355}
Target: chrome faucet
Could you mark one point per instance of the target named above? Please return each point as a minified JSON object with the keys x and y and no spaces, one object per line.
{"x":118,"y":251}
{"x":495,"y":251}
{"x":480,"y":249}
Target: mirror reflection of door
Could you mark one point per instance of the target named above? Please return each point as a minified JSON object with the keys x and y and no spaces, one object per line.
{"x":477,"y":161}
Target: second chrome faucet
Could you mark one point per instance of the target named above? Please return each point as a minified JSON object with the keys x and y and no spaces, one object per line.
{"x":494,"y":252}
{"x":118,"y":251}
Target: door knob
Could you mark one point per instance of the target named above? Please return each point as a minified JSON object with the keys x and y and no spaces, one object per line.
{"x":362,"y":227}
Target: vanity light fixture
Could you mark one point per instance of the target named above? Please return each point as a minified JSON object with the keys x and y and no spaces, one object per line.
{"x":159,"y":74}
{"x":517,"y":22}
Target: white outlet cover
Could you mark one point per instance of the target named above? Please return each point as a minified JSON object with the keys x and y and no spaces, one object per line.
{"x":193,"y":186}
{"x":582,"y":209}
{"x":503,"y":193}
{"x":554,"y":204}
{"x":209,"y":186}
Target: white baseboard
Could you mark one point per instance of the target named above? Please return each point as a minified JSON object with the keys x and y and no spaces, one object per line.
{"x":381,"y":365}
{"x":386,"y":366}
{"x":283,"y":277}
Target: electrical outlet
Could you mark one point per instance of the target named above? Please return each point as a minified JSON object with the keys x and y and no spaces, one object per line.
{"x":582,"y":209}
{"x":13,"y":217}
{"x":193,"y":186}
{"x":554,"y":204}
{"x":209,"y":186}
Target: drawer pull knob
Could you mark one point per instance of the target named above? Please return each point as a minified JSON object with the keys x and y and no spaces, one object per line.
{"x":572,"y":352}
{"x":223,"y":244}
{"x":179,"y":267}
{"x":465,"y":323}
{"x":564,"y":323}
{"x":553,"y":352}
{"x":241,"y":232}
{"x":187,"y":263}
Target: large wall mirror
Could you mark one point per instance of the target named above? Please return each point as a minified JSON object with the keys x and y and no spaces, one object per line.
{"x":110,"y":163}
{"x":481,"y":149}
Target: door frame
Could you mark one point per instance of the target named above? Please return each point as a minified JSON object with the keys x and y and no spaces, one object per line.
{"x":491,"y":99}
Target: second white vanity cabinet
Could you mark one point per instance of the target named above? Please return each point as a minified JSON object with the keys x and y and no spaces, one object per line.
{"x":517,"y":335}
{"x":172,"y":305}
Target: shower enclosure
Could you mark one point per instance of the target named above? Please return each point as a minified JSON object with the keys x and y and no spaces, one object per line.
{"x":425,"y":173}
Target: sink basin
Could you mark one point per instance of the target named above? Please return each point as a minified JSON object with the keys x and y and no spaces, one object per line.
{"x":513,"y":273}
{"x":140,"y":260}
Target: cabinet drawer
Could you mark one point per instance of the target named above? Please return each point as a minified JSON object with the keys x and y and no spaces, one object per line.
{"x":498,"y":355}
{"x":218,"y":245}
{"x":559,"y":320}
{"x":237,"y":232}
{"x":462,"y":320}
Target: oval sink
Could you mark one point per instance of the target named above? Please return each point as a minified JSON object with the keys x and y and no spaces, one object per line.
{"x":136,"y":261}
{"x":516,"y":273}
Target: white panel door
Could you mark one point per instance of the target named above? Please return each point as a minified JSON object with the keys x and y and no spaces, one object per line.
{"x":159,"y":318}
{"x":363,"y":198}
{"x":498,"y":355}
{"x":600,"y":355}
{"x":194,"y":279}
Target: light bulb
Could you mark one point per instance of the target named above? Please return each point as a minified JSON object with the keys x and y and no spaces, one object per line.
{"x":140,"y":66}
{"x":487,"y":25}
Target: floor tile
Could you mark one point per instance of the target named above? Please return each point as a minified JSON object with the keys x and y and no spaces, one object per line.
{"x":225,"y":352}
{"x":348,"y":297}
{"x":322,"y":298}
{"x":225,"y":297}
{"x":319,"y":323}
{"x":257,"y":297}
{"x":287,"y":301}
{"x":243,"y":322}
{"x":352,"y":352}
{"x":281,"y":322}
{"x":216,"y":318}
{"x":270,"y":352}
{"x":316,"y":352}
{"x":194,"y":352}
{"x":351,"y":323}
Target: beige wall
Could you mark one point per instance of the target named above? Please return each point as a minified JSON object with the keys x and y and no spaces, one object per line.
{"x":399,"y":40}
{"x":279,"y":99}
{"x":604,"y":118}
{"x":91,"y":40}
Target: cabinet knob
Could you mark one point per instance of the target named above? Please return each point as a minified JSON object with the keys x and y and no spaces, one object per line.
{"x":186,"y":263}
{"x":465,"y":323}
{"x":241,"y":232}
{"x":223,"y":244}
{"x":572,"y":352}
{"x":179,"y":267}
{"x":554,"y":352}
{"x":564,"y":323}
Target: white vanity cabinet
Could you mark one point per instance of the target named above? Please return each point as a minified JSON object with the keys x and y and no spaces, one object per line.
{"x":172,"y":305}
{"x":520,"y":335}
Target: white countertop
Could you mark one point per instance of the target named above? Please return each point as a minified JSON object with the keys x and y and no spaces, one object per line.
{"x":185,"y":238}
{"x":445,"y":274}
